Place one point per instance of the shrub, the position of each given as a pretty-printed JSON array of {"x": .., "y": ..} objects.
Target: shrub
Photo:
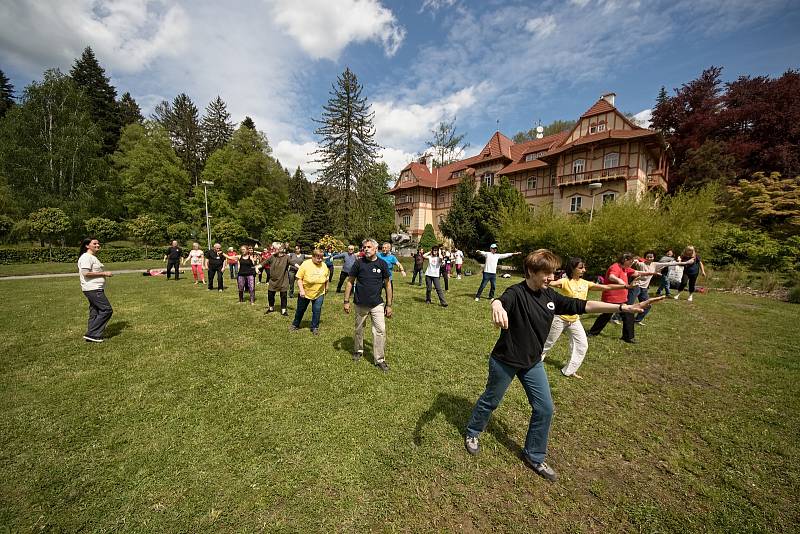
[
  {"x": 329, "y": 241},
  {"x": 769, "y": 281},
  {"x": 103, "y": 229},
  {"x": 794, "y": 294},
  {"x": 428, "y": 238}
]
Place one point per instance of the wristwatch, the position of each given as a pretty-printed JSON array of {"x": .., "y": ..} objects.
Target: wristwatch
[{"x": 620, "y": 307}]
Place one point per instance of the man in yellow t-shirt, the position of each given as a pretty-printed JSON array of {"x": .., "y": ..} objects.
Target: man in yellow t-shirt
[{"x": 312, "y": 284}]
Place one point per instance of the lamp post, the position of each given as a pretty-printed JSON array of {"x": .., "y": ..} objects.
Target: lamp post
[
  {"x": 594, "y": 186},
  {"x": 207, "y": 183}
]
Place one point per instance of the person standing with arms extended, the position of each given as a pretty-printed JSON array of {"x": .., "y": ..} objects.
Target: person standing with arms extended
[
  {"x": 278, "y": 269},
  {"x": 524, "y": 313},
  {"x": 195, "y": 259},
  {"x": 93, "y": 283},
  {"x": 432, "y": 276},
  {"x": 173, "y": 259},
  {"x": 490, "y": 269},
  {"x": 419, "y": 263},
  {"x": 215, "y": 265},
  {"x": 370, "y": 275},
  {"x": 312, "y": 284},
  {"x": 348, "y": 259},
  {"x": 329, "y": 256},
  {"x": 296, "y": 259},
  {"x": 690, "y": 272},
  {"x": 246, "y": 277},
  {"x": 459, "y": 257}
]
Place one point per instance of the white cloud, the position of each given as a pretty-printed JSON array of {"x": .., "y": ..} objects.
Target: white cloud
[
  {"x": 643, "y": 118},
  {"x": 293, "y": 155},
  {"x": 323, "y": 28},
  {"x": 541, "y": 26},
  {"x": 580, "y": 3},
  {"x": 128, "y": 34},
  {"x": 396, "y": 159},
  {"x": 436, "y": 5}
]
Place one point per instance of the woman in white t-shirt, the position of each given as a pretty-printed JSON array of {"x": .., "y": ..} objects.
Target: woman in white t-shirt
[
  {"x": 195, "y": 258},
  {"x": 432, "y": 276},
  {"x": 93, "y": 281}
]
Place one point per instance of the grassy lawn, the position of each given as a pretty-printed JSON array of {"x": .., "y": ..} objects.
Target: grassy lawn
[
  {"x": 63, "y": 268},
  {"x": 202, "y": 414}
]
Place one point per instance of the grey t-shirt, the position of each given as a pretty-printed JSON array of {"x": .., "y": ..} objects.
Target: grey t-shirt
[
  {"x": 295, "y": 261},
  {"x": 89, "y": 263}
]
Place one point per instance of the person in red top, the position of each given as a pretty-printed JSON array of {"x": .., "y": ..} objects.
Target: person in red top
[
  {"x": 266, "y": 254},
  {"x": 619, "y": 273}
]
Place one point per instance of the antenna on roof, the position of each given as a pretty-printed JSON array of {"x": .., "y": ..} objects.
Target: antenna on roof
[{"x": 498, "y": 124}]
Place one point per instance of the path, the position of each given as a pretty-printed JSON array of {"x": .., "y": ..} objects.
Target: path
[{"x": 62, "y": 275}]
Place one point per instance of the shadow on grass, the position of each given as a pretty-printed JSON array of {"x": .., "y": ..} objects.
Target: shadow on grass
[
  {"x": 554, "y": 363},
  {"x": 348, "y": 344},
  {"x": 457, "y": 411},
  {"x": 114, "y": 329}
]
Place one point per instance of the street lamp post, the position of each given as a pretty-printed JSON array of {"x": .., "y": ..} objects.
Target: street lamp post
[
  {"x": 207, "y": 183},
  {"x": 594, "y": 186}
]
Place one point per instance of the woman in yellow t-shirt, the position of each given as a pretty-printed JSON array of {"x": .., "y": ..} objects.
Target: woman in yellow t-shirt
[
  {"x": 312, "y": 284},
  {"x": 573, "y": 285}
]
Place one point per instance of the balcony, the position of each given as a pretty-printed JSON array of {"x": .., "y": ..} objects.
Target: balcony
[
  {"x": 398, "y": 206},
  {"x": 600, "y": 175},
  {"x": 656, "y": 181}
]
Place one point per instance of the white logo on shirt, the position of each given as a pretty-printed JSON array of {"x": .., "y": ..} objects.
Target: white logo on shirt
[
  {"x": 376, "y": 270},
  {"x": 551, "y": 306}
]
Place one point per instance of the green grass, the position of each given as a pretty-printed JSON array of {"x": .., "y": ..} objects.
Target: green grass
[
  {"x": 202, "y": 414},
  {"x": 64, "y": 268}
]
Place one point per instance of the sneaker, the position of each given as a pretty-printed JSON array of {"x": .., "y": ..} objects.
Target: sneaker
[
  {"x": 443, "y": 304},
  {"x": 472, "y": 445},
  {"x": 284, "y": 313},
  {"x": 383, "y": 366},
  {"x": 269, "y": 310},
  {"x": 477, "y": 299},
  {"x": 293, "y": 328},
  {"x": 94, "y": 339},
  {"x": 630, "y": 341},
  {"x": 541, "y": 469},
  {"x": 616, "y": 321},
  {"x": 690, "y": 298},
  {"x": 677, "y": 296},
  {"x": 220, "y": 291},
  {"x": 315, "y": 331},
  {"x": 427, "y": 302},
  {"x": 640, "y": 323},
  {"x": 357, "y": 355}
]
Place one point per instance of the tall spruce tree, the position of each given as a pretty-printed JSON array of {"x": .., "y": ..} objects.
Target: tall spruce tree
[
  {"x": 248, "y": 123},
  {"x": 6, "y": 94},
  {"x": 317, "y": 222},
  {"x": 129, "y": 110},
  {"x": 216, "y": 127},
  {"x": 91, "y": 78},
  {"x": 181, "y": 120},
  {"x": 347, "y": 147},
  {"x": 301, "y": 195}
]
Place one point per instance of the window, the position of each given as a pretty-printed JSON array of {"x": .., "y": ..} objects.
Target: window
[
  {"x": 592, "y": 128},
  {"x": 406, "y": 220},
  {"x": 406, "y": 176},
  {"x": 532, "y": 182},
  {"x": 535, "y": 155},
  {"x": 578, "y": 166},
  {"x": 611, "y": 160},
  {"x": 601, "y": 127},
  {"x": 442, "y": 197},
  {"x": 609, "y": 197},
  {"x": 575, "y": 204},
  {"x": 458, "y": 174},
  {"x": 407, "y": 198},
  {"x": 488, "y": 178}
]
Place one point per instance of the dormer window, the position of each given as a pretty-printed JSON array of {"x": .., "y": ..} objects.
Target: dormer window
[
  {"x": 530, "y": 157},
  {"x": 601, "y": 127},
  {"x": 592, "y": 129},
  {"x": 535, "y": 155}
]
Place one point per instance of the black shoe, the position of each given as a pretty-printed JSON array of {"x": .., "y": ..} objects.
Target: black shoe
[
  {"x": 631, "y": 341},
  {"x": 590, "y": 334},
  {"x": 541, "y": 469},
  {"x": 383, "y": 366},
  {"x": 443, "y": 305}
]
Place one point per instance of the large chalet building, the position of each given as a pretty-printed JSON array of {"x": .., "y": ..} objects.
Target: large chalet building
[{"x": 604, "y": 149}]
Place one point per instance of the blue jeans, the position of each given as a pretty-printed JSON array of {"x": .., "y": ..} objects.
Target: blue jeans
[
  {"x": 232, "y": 268},
  {"x": 641, "y": 294},
  {"x": 316, "y": 310},
  {"x": 487, "y": 277},
  {"x": 537, "y": 388},
  {"x": 663, "y": 285}
]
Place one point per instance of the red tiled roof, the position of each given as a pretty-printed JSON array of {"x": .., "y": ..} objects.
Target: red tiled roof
[
  {"x": 601, "y": 106},
  {"x": 498, "y": 146},
  {"x": 608, "y": 134},
  {"x": 522, "y": 166}
]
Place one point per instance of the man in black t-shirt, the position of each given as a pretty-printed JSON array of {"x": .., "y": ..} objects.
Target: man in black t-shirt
[
  {"x": 215, "y": 266},
  {"x": 173, "y": 259},
  {"x": 370, "y": 275},
  {"x": 525, "y": 312}
]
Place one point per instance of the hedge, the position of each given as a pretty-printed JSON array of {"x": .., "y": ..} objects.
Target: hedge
[{"x": 13, "y": 255}]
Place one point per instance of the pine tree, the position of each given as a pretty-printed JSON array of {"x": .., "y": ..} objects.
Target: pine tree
[
  {"x": 347, "y": 148},
  {"x": 6, "y": 94},
  {"x": 447, "y": 145},
  {"x": 301, "y": 196},
  {"x": 162, "y": 114},
  {"x": 181, "y": 120},
  {"x": 248, "y": 123},
  {"x": 129, "y": 110},
  {"x": 428, "y": 238},
  {"x": 91, "y": 78},
  {"x": 317, "y": 222},
  {"x": 216, "y": 127}
]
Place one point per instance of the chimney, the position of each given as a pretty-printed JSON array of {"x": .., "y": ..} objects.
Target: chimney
[
  {"x": 427, "y": 160},
  {"x": 609, "y": 97}
]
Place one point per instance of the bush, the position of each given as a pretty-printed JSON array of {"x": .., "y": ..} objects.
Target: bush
[
  {"x": 754, "y": 248},
  {"x": 794, "y": 294},
  {"x": 15, "y": 255},
  {"x": 103, "y": 229},
  {"x": 428, "y": 238}
]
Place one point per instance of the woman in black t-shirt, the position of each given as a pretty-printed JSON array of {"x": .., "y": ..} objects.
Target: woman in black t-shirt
[{"x": 247, "y": 275}]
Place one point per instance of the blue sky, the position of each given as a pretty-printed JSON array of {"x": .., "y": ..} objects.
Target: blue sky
[{"x": 420, "y": 61}]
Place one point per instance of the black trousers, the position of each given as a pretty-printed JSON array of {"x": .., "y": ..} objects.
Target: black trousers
[
  {"x": 414, "y": 276},
  {"x": 292, "y": 276},
  {"x": 100, "y": 312},
  {"x": 603, "y": 319},
  {"x": 170, "y": 265},
  {"x": 691, "y": 279},
  {"x": 342, "y": 278},
  {"x": 446, "y": 280},
  {"x": 215, "y": 271},
  {"x": 271, "y": 299}
]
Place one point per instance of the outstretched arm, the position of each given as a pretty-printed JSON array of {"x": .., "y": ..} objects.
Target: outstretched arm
[{"x": 594, "y": 306}]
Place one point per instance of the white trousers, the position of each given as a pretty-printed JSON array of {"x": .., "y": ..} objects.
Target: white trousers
[{"x": 578, "y": 344}]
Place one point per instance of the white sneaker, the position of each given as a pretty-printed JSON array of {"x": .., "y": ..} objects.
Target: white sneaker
[
  {"x": 477, "y": 299},
  {"x": 459, "y": 277},
  {"x": 471, "y": 444},
  {"x": 690, "y": 298},
  {"x": 676, "y": 297}
]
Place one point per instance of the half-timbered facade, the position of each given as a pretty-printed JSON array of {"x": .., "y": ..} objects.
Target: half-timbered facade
[{"x": 604, "y": 149}]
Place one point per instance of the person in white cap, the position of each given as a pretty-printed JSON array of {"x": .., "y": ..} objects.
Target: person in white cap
[{"x": 490, "y": 269}]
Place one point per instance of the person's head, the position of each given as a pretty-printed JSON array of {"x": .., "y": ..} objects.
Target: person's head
[
  {"x": 421, "y": 250},
  {"x": 669, "y": 253},
  {"x": 688, "y": 252},
  {"x": 435, "y": 250},
  {"x": 218, "y": 247},
  {"x": 370, "y": 248},
  {"x": 297, "y": 249},
  {"x": 351, "y": 249},
  {"x": 174, "y": 243},
  {"x": 386, "y": 248},
  {"x": 575, "y": 268},
  {"x": 196, "y": 246},
  {"x": 243, "y": 249},
  {"x": 316, "y": 256},
  {"x": 649, "y": 256},
  {"x": 230, "y": 249},
  {"x": 90, "y": 245},
  {"x": 539, "y": 267},
  {"x": 249, "y": 249},
  {"x": 493, "y": 247},
  {"x": 626, "y": 259}
]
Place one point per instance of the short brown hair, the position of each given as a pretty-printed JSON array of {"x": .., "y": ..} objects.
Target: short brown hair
[{"x": 541, "y": 260}]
